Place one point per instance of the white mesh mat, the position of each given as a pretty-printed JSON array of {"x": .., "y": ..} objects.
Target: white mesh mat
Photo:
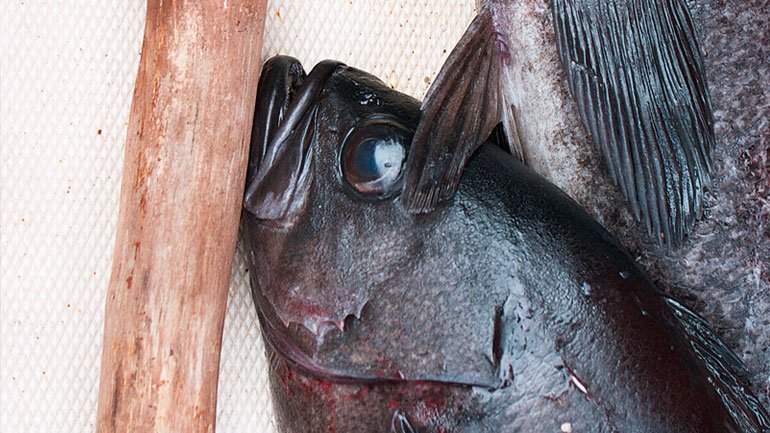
[{"x": 66, "y": 80}]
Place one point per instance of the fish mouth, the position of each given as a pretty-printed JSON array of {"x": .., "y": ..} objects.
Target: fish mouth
[
  {"x": 278, "y": 338},
  {"x": 279, "y": 169}
]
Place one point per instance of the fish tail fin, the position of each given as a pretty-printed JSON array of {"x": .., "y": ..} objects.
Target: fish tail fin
[
  {"x": 465, "y": 103},
  {"x": 726, "y": 371}
]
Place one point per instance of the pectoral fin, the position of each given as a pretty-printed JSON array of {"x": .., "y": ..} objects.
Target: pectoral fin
[
  {"x": 727, "y": 372},
  {"x": 634, "y": 68},
  {"x": 463, "y": 106}
]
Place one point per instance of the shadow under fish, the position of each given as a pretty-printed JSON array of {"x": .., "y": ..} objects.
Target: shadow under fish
[{"x": 505, "y": 308}]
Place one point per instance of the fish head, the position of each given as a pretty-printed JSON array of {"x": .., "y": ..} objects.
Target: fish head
[
  {"x": 349, "y": 284},
  {"x": 322, "y": 215}
]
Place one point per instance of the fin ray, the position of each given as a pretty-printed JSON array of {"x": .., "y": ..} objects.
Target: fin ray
[
  {"x": 460, "y": 111},
  {"x": 727, "y": 373},
  {"x": 635, "y": 70}
]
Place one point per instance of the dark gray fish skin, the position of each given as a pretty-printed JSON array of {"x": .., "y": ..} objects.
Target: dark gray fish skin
[
  {"x": 509, "y": 309},
  {"x": 723, "y": 266}
]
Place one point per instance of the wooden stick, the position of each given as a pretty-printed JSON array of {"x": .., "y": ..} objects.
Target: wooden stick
[{"x": 180, "y": 203}]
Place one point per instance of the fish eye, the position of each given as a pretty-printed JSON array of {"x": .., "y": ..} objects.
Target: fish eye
[{"x": 373, "y": 156}]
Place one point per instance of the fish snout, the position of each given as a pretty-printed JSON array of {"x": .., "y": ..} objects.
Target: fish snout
[{"x": 280, "y": 172}]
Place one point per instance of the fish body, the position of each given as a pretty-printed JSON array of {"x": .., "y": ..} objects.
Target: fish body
[
  {"x": 719, "y": 263},
  {"x": 506, "y": 309},
  {"x": 553, "y": 139}
]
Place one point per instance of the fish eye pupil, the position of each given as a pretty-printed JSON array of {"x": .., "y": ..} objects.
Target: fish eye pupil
[{"x": 373, "y": 156}]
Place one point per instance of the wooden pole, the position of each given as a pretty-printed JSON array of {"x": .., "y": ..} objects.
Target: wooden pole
[{"x": 183, "y": 176}]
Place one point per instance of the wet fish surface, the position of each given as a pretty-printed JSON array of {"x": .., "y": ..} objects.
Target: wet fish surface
[
  {"x": 507, "y": 308},
  {"x": 723, "y": 269},
  {"x": 531, "y": 48}
]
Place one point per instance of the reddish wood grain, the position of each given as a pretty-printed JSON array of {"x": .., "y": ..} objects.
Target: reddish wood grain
[{"x": 184, "y": 170}]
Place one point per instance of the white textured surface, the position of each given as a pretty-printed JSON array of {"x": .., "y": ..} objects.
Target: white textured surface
[{"x": 66, "y": 77}]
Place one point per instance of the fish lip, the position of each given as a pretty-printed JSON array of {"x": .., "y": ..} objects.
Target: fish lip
[
  {"x": 287, "y": 103},
  {"x": 303, "y": 97},
  {"x": 280, "y": 78}
]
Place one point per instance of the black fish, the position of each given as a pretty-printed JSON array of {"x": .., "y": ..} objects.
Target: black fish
[
  {"x": 635, "y": 71},
  {"x": 506, "y": 309}
]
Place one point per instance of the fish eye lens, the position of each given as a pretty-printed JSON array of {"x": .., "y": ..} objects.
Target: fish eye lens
[{"x": 373, "y": 156}]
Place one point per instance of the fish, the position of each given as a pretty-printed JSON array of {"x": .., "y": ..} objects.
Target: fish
[
  {"x": 630, "y": 71},
  {"x": 719, "y": 256},
  {"x": 507, "y": 308}
]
